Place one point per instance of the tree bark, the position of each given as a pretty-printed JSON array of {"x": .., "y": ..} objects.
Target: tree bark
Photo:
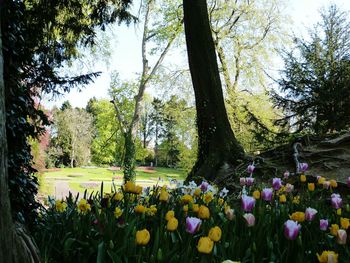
[
  {"x": 218, "y": 150},
  {"x": 15, "y": 244}
]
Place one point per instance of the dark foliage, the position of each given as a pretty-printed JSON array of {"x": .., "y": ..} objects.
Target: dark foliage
[
  {"x": 315, "y": 87},
  {"x": 38, "y": 38}
]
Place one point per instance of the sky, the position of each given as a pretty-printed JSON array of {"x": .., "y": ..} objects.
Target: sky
[{"x": 126, "y": 48}]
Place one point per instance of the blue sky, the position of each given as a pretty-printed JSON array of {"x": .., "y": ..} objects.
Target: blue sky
[{"x": 126, "y": 59}]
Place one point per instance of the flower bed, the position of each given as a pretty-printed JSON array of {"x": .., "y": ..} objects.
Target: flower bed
[{"x": 270, "y": 222}]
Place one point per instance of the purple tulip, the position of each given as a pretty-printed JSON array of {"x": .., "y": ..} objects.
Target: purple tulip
[
  {"x": 348, "y": 181},
  {"x": 250, "y": 168},
  {"x": 193, "y": 224},
  {"x": 249, "y": 181},
  {"x": 286, "y": 175},
  {"x": 266, "y": 194},
  {"x": 324, "y": 224},
  {"x": 242, "y": 181},
  {"x": 341, "y": 236},
  {"x": 248, "y": 203},
  {"x": 276, "y": 183},
  {"x": 310, "y": 213},
  {"x": 289, "y": 188},
  {"x": 303, "y": 167},
  {"x": 204, "y": 186},
  {"x": 291, "y": 229},
  {"x": 250, "y": 218},
  {"x": 336, "y": 201}
]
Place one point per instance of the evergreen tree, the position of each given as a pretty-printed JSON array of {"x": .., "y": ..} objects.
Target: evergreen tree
[{"x": 315, "y": 86}]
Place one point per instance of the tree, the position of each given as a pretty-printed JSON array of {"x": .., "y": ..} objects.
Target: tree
[
  {"x": 218, "y": 149},
  {"x": 315, "y": 93},
  {"x": 157, "y": 121},
  {"x": 39, "y": 37},
  {"x": 166, "y": 28},
  {"x": 246, "y": 34},
  {"x": 73, "y": 128}
]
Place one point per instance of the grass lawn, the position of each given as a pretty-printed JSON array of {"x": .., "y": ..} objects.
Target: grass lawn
[{"x": 60, "y": 182}]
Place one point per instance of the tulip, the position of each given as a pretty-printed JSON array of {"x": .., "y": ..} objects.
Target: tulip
[
  {"x": 276, "y": 183},
  {"x": 326, "y": 184},
  {"x": 303, "y": 167},
  {"x": 286, "y": 175},
  {"x": 311, "y": 187},
  {"x": 344, "y": 223},
  {"x": 250, "y": 218},
  {"x": 203, "y": 212},
  {"x": 164, "y": 196},
  {"x": 334, "y": 229},
  {"x": 348, "y": 181},
  {"x": 291, "y": 229},
  {"x": 205, "y": 245},
  {"x": 289, "y": 188},
  {"x": 204, "y": 186},
  {"x": 341, "y": 237},
  {"x": 310, "y": 213},
  {"x": 142, "y": 237},
  {"x": 242, "y": 181},
  {"x": 333, "y": 183},
  {"x": 323, "y": 224},
  {"x": 250, "y": 168},
  {"x": 172, "y": 224},
  {"x": 266, "y": 194},
  {"x": 298, "y": 216},
  {"x": 336, "y": 201},
  {"x": 249, "y": 181},
  {"x": 256, "y": 194},
  {"x": 193, "y": 224},
  {"x": 248, "y": 203},
  {"x": 215, "y": 233},
  {"x": 327, "y": 257},
  {"x": 229, "y": 213},
  {"x": 283, "y": 199},
  {"x": 302, "y": 178}
]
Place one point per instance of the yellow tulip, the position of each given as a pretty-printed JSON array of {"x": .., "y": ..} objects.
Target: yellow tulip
[
  {"x": 203, "y": 212},
  {"x": 140, "y": 209},
  {"x": 256, "y": 194},
  {"x": 334, "y": 229},
  {"x": 60, "y": 206},
  {"x": 195, "y": 208},
  {"x": 333, "y": 183},
  {"x": 172, "y": 224},
  {"x": 197, "y": 192},
  {"x": 327, "y": 256},
  {"x": 170, "y": 214},
  {"x": 215, "y": 233},
  {"x": 344, "y": 223},
  {"x": 298, "y": 216},
  {"x": 142, "y": 237},
  {"x": 83, "y": 206},
  {"x": 205, "y": 245},
  {"x": 118, "y": 196},
  {"x": 164, "y": 196},
  {"x": 187, "y": 199},
  {"x": 311, "y": 187},
  {"x": 302, "y": 178},
  {"x": 283, "y": 199}
]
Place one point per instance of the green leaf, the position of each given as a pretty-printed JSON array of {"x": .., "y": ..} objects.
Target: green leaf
[{"x": 100, "y": 253}]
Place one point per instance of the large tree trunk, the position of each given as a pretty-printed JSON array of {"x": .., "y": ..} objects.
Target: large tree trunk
[
  {"x": 16, "y": 246},
  {"x": 129, "y": 157},
  {"x": 218, "y": 150}
]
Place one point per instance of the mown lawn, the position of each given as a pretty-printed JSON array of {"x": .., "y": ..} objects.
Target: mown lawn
[{"x": 78, "y": 179}]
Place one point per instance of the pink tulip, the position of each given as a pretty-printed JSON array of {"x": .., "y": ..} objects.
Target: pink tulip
[
  {"x": 250, "y": 218},
  {"x": 242, "y": 181},
  {"x": 193, "y": 224},
  {"x": 326, "y": 184},
  {"x": 249, "y": 181},
  {"x": 341, "y": 236},
  {"x": 310, "y": 213},
  {"x": 204, "y": 186},
  {"x": 303, "y": 167},
  {"x": 248, "y": 203},
  {"x": 336, "y": 201},
  {"x": 250, "y": 168},
  {"x": 276, "y": 183},
  {"x": 286, "y": 175},
  {"x": 291, "y": 229},
  {"x": 324, "y": 224},
  {"x": 289, "y": 188},
  {"x": 266, "y": 194}
]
